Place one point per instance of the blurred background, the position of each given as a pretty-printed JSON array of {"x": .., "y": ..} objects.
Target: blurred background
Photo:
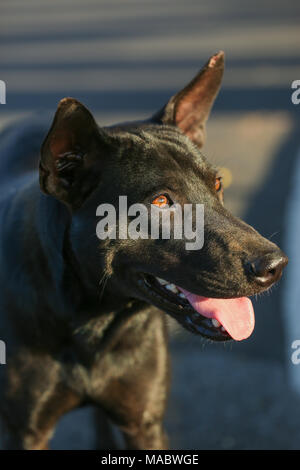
[{"x": 124, "y": 59}]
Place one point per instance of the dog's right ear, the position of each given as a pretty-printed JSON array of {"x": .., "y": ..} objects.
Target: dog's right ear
[
  {"x": 189, "y": 109},
  {"x": 72, "y": 154}
]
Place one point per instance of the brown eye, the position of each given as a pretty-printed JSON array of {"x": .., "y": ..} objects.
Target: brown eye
[
  {"x": 161, "y": 201},
  {"x": 218, "y": 184}
]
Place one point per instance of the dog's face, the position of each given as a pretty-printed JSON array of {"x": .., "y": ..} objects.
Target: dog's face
[{"x": 159, "y": 164}]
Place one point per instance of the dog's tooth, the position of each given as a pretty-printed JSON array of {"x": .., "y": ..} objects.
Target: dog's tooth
[
  {"x": 222, "y": 328},
  {"x": 172, "y": 288},
  {"x": 162, "y": 281},
  {"x": 215, "y": 322},
  {"x": 182, "y": 295}
]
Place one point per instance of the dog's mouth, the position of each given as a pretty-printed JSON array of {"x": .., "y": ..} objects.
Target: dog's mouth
[{"x": 213, "y": 318}]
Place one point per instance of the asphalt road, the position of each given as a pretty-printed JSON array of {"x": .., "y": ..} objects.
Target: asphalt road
[{"x": 123, "y": 59}]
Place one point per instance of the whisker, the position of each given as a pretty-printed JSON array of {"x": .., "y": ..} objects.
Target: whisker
[
  {"x": 273, "y": 234},
  {"x": 102, "y": 284}
]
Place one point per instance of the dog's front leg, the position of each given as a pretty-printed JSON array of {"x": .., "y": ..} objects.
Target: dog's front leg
[
  {"x": 33, "y": 398},
  {"x": 136, "y": 394},
  {"x": 138, "y": 409},
  {"x": 148, "y": 435}
]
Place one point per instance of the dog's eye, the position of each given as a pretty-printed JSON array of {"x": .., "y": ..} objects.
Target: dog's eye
[
  {"x": 218, "y": 184},
  {"x": 162, "y": 201}
]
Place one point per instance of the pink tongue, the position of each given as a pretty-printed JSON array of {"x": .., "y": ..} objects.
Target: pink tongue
[{"x": 235, "y": 315}]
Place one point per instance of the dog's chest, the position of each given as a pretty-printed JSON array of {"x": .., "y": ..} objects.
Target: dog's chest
[{"x": 102, "y": 352}]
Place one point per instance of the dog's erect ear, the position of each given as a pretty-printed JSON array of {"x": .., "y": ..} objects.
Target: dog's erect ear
[
  {"x": 190, "y": 108},
  {"x": 72, "y": 154}
]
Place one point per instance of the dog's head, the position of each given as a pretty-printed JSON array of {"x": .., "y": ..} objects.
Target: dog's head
[{"x": 158, "y": 163}]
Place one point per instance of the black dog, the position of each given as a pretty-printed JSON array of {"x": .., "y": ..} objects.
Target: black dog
[{"x": 81, "y": 318}]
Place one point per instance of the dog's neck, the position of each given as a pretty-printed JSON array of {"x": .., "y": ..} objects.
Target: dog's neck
[{"x": 63, "y": 250}]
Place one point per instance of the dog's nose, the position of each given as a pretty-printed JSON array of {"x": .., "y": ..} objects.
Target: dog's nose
[{"x": 267, "y": 269}]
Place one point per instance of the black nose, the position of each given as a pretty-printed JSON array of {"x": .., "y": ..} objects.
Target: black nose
[{"x": 267, "y": 269}]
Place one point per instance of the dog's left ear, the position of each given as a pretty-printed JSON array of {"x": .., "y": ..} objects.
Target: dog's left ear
[
  {"x": 73, "y": 154},
  {"x": 190, "y": 108}
]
